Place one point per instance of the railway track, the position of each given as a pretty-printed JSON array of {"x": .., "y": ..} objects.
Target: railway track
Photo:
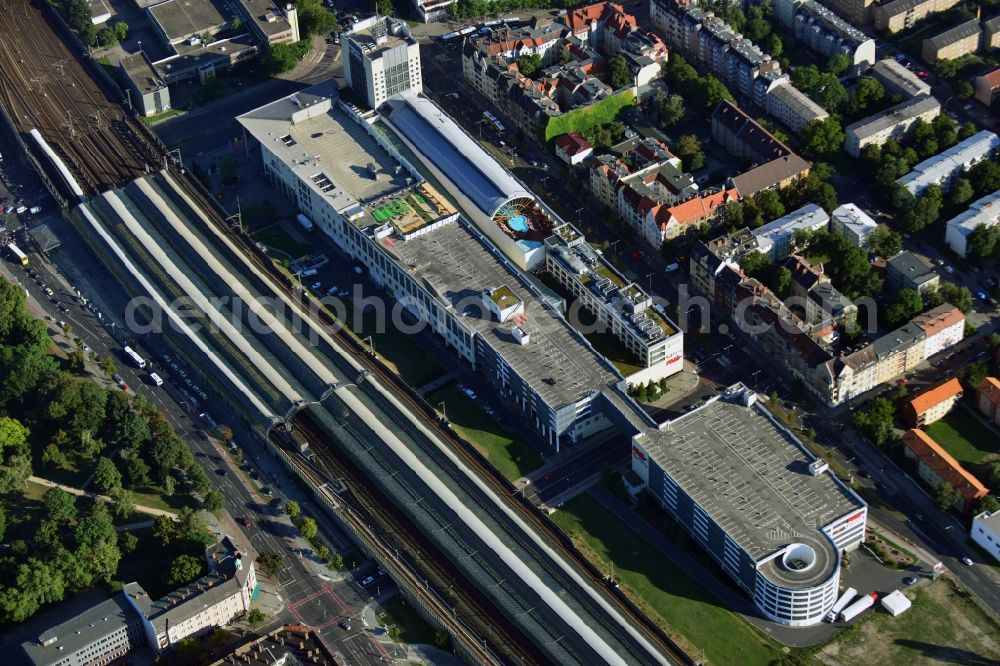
[
  {"x": 442, "y": 586},
  {"x": 597, "y": 579},
  {"x": 44, "y": 85}
]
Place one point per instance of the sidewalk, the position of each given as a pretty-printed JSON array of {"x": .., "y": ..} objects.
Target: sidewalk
[{"x": 83, "y": 493}]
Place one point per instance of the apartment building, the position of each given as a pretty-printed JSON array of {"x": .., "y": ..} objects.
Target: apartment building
[
  {"x": 986, "y": 532},
  {"x": 898, "y": 80},
  {"x": 952, "y": 43},
  {"x": 774, "y": 163},
  {"x": 991, "y": 34},
  {"x": 988, "y": 399},
  {"x": 852, "y": 223},
  {"x": 898, "y": 15},
  {"x": 792, "y": 107},
  {"x": 942, "y": 169},
  {"x": 908, "y": 271},
  {"x": 982, "y": 212},
  {"x": 383, "y": 59},
  {"x": 572, "y": 148},
  {"x": 621, "y": 307},
  {"x": 936, "y": 466},
  {"x": 813, "y": 296},
  {"x": 820, "y": 29},
  {"x": 893, "y": 123},
  {"x": 775, "y": 238},
  {"x": 933, "y": 404},
  {"x": 211, "y": 601},
  {"x": 858, "y": 12},
  {"x": 988, "y": 88}
]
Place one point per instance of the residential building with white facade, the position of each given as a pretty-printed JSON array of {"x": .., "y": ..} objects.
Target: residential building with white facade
[
  {"x": 792, "y": 107},
  {"x": 820, "y": 29},
  {"x": 381, "y": 59},
  {"x": 893, "y": 123},
  {"x": 986, "y": 532},
  {"x": 982, "y": 212},
  {"x": 942, "y": 169},
  {"x": 775, "y": 238},
  {"x": 898, "y": 80},
  {"x": 621, "y": 306},
  {"x": 852, "y": 223},
  {"x": 211, "y": 601},
  {"x": 786, "y": 553}
]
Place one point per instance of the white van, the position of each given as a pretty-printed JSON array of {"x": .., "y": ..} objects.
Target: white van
[
  {"x": 156, "y": 379},
  {"x": 35, "y": 210},
  {"x": 309, "y": 272}
]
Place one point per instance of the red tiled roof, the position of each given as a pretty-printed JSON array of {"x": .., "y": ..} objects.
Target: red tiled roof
[
  {"x": 922, "y": 402},
  {"x": 937, "y": 319},
  {"x": 699, "y": 208},
  {"x": 572, "y": 143},
  {"x": 992, "y": 78},
  {"x": 939, "y": 460}
]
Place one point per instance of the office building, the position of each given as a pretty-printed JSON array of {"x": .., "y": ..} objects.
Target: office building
[
  {"x": 853, "y": 224},
  {"x": 212, "y": 601},
  {"x": 952, "y": 43},
  {"x": 792, "y": 107},
  {"x": 898, "y": 80},
  {"x": 986, "y": 532},
  {"x": 988, "y": 399},
  {"x": 899, "y": 15},
  {"x": 382, "y": 59},
  {"x": 775, "y": 238},
  {"x": 147, "y": 92},
  {"x": 908, "y": 271},
  {"x": 933, "y": 404},
  {"x": 988, "y": 87},
  {"x": 768, "y": 512},
  {"x": 936, "y": 466},
  {"x": 943, "y": 168},
  {"x": 271, "y": 21},
  {"x": 983, "y": 212},
  {"x": 106, "y": 632},
  {"x": 893, "y": 123},
  {"x": 621, "y": 306}
]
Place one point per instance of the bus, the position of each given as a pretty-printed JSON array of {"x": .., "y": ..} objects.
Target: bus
[
  {"x": 20, "y": 256},
  {"x": 139, "y": 361},
  {"x": 494, "y": 121}
]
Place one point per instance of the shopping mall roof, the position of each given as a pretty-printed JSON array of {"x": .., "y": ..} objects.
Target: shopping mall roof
[{"x": 456, "y": 154}]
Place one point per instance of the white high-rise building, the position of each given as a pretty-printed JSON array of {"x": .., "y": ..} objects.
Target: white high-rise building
[{"x": 383, "y": 59}]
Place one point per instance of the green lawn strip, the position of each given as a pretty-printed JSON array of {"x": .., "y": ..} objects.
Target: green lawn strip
[
  {"x": 958, "y": 431},
  {"x": 165, "y": 503},
  {"x": 413, "y": 628},
  {"x": 414, "y": 365},
  {"x": 513, "y": 456},
  {"x": 276, "y": 237},
  {"x": 159, "y": 117},
  {"x": 683, "y": 607}
]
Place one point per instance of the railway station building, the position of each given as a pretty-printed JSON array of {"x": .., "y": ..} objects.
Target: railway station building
[{"x": 766, "y": 510}]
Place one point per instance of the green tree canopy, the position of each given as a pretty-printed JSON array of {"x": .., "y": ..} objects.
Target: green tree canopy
[
  {"x": 618, "y": 76},
  {"x": 945, "y": 496},
  {"x": 885, "y": 242},
  {"x": 308, "y": 528},
  {"x": 875, "y": 422},
  {"x": 213, "y": 501},
  {"x": 838, "y": 64},
  {"x": 59, "y": 505},
  {"x": 183, "y": 570},
  {"x": 907, "y": 305},
  {"x": 107, "y": 478},
  {"x": 823, "y": 137},
  {"x": 688, "y": 148}
]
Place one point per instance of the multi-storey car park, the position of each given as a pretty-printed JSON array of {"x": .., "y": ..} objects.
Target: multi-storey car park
[
  {"x": 448, "y": 274},
  {"x": 745, "y": 488},
  {"x": 159, "y": 242}
]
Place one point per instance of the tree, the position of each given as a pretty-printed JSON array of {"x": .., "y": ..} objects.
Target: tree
[
  {"x": 975, "y": 373},
  {"x": 669, "y": 109},
  {"x": 823, "y": 137},
  {"x": 128, "y": 542},
  {"x": 885, "y": 242},
  {"x": 830, "y": 93},
  {"x": 838, "y": 64},
  {"x": 314, "y": 19},
  {"x": 769, "y": 202},
  {"x": 782, "y": 282},
  {"x": 732, "y": 215},
  {"x": 164, "y": 530},
  {"x": 961, "y": 191},
  {"x": 967, "y": 130},
  {"x": 714, "y": 92},
  {"x": 925, "y": 211},
  {"x": 924, "y": 139},
  {"x": 984, "y": 241},
  {"x": 868, "y": 91},
  {"x": 773, "y": 45},
  {"x": 308, "y": 528},
  {"x": 107, "y": 478},
  {"x": 945, "y": 130},
  {"x": 14, "y": 474},
  {"x": 269, "y": 561},
  {"x": 806, "y": 78},
  {"x": 293, "y": 509},
  {"x": 949, "y": 292},
  {"x": 756, "y": 263},
  {"x": 985, "y": 177},
  {"x": 59, "y": 505},
  {"x": 988, "y": 503},
  {"x": 618, "y": 76},
  {"x": 255, "y": 617},
  {"x": 528, "y": 64},
  {"x": 964, "y": 89},
  {"x": 121, "y": 30},
  {"x": 385, "y": 7},
  {"x": 908, "y": 304},
  {"x": 875, "y": 423},
  {"x": 283, "y": 57},
  {"x": 13, "y": 435},
  {"x": 945, "y": 496},
  {"x": 688, "y": 148},
  {"x": 213, "y": 501},
  {"x": 191, "y": 526},
  {"x": 183, "y": 570},
  {"x": 124, "y": 502}
]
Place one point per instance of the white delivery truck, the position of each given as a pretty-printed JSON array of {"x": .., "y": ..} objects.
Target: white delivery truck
[
  {"x": 859, "y": 607},
  {"x": 841, "y": 603}
]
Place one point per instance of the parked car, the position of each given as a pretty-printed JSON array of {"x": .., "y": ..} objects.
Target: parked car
[
  {"x": 244, "y": 521},
  {"x": 967, "y": 561},
  {"x": 909, "y": 580},
  {"x": 367, "y": 580}
]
